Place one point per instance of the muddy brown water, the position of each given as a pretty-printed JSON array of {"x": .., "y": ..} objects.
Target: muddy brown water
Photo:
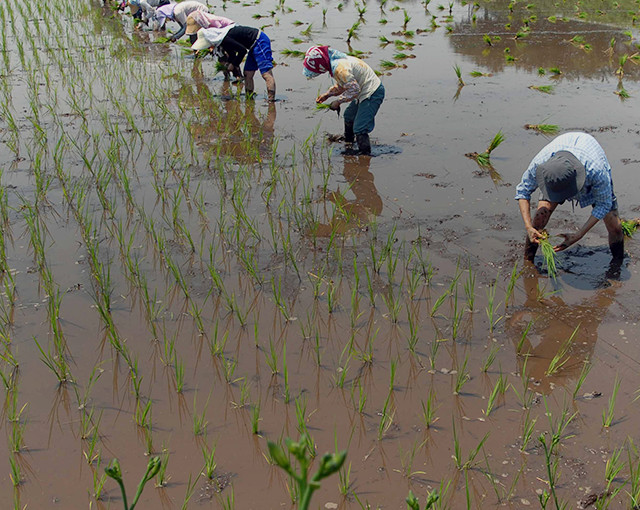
[{"x": 156, "y": 224}]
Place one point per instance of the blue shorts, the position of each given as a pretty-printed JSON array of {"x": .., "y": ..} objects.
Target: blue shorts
[
  {"x": 362, "y": 114},
  {"x": 259, "y": 57}
]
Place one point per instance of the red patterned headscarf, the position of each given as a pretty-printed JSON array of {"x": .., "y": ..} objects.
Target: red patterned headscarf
[{"x": 317, "y": 60}]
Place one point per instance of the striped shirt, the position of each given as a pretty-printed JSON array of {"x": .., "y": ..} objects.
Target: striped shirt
[{"x": 598, "y": 186}]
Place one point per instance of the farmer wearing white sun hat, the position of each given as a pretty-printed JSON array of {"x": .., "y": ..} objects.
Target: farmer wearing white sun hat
[
  {"x": 236, "y": 41},
  {"x": 573, "y": 167}
]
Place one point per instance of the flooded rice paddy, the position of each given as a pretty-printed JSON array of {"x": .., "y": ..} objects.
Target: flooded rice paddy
[{"x": 187, "y": 274}]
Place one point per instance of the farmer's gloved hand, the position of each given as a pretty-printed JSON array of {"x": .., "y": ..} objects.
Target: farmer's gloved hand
[
  {"x": 172, "y": 39},
  {"x": 569, "y": 239}
]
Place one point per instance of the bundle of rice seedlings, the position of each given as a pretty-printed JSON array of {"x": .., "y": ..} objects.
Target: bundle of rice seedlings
[
  {"x": 292, "y": 53},
  {"x": 548, "y": 254},
  {"x": 458, "y": 72},
  {"x": 387, "y": 64},
  {"x": 622, "y": 92},
  {"x": 484, "y": 158},
  {"x": 478, "y": 74},
  {"x": 547, "y": 89},
  {"x": 545, "y": 129},
  {"x": 629, "y": 227}
]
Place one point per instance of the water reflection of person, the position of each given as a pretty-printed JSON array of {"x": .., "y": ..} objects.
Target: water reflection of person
[
  {"x": 553, "y": 324},
  {"x": 227, "y": 125},
  {"x": 356, "y": 212}
]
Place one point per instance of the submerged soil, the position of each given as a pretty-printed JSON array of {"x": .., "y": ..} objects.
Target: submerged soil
[{"x": 189, "y": 274}]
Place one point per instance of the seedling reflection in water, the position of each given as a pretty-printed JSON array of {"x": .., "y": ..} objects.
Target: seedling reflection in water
[{"x": 329, "y": 464}]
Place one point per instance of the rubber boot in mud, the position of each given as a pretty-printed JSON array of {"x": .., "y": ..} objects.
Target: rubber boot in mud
[
  {"x": 364, "y": 145},
  {"x": 617, "y": 250},
  {"x": 349, "y": 137}
]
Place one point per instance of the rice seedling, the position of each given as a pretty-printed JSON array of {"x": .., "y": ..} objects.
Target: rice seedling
[
  {"x": 462, "y": 376},
  {"x": 255, "y": 419},
  {"x": 113, "y": 471},
  {"x": 484, "y": 159},
  {"x": 545, "y": 129},
  {"x": 16, "y": 471},
  {"x": 305, "y": 487},
  {"x": 458, "y": 72},
  {"x": 499, "y": 389},
  {"x": 199, "y": 420},
  {"x": 549, "y": 255},
  {"x": 528, "y": 427},
  {"x": 622, "y": 93},
  {"x": 479, "y": 74},
  {"x": 491, "y": 307},
  {"x": 491, "y": 357},
  {"x": 523, "y": 339},
  {"x": 429, "y": 410},
  {"x": 210, "y": 464},
  {"x": 561, "y": 358},
  {"x": 352, "y": 33},
  {"x": 634, "y": 473},
  {"x": 608, "y": 412},
  {"x": 586, "y": 368}
]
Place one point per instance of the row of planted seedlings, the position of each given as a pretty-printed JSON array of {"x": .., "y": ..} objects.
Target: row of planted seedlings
[
  {"x": 332, "y": 259},
  {"x": 237, "y": 232}
]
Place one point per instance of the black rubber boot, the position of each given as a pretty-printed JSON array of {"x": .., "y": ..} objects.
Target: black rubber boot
[
  {"x": 364, "y": 145},
  {"x": 617, "y": 250},
  {"x": 349, "y": 137}
]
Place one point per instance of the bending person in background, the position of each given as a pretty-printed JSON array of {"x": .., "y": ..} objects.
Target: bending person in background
[
  {"x": 237, "y": 41},
  {"x": 356, "y": 83},
  {"x": 144, "y": 10},
  {"x": 201, "y": 19},
  {"x": 573, "y": 167},
  {"x": 178, "y": 13}
]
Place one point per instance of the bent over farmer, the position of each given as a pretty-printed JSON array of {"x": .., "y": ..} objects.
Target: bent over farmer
[
  {"x": 573, "y": 167},
  {"x": 356, "y": 83},
  {"x": 178, "y": 12},
  {"x": 236, "y": 41}
]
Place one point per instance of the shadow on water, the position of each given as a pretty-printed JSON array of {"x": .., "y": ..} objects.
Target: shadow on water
[{"x": 552, "y": 323}]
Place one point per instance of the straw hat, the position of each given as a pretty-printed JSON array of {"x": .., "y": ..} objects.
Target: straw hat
[{"x": 192, "y": 26}]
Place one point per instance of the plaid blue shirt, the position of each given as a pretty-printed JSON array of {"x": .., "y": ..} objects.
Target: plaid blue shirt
[{"x": 598, "y": 187}]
